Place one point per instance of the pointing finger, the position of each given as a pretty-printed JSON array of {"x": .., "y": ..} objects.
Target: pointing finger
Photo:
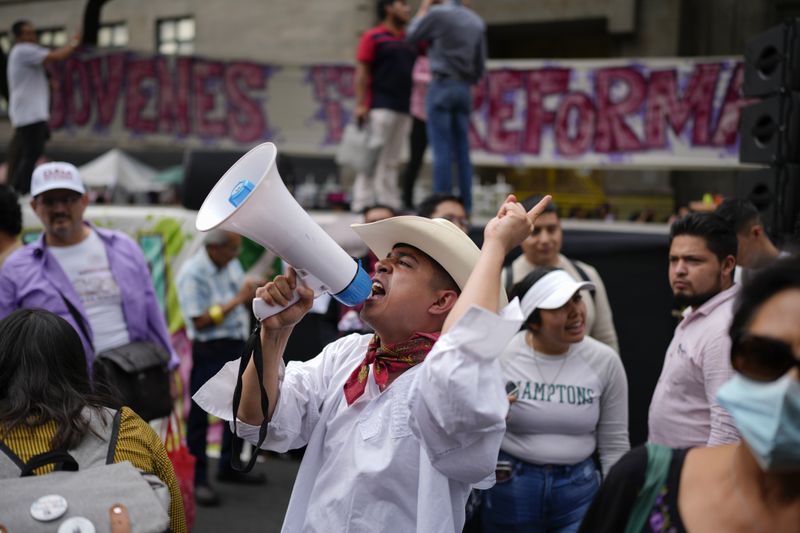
[{"x": 539, "y": 208}]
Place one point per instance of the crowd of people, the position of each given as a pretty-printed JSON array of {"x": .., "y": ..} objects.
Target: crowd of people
[{"x": 468, "y": 392}]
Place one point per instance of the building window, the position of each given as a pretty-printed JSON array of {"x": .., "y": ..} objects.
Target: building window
[
  {"x": 5, "y": 42},
  {"x": 175, "y": 36},
  {"x": 113, "y": 35},
  {"x": 54, "y": 37}
]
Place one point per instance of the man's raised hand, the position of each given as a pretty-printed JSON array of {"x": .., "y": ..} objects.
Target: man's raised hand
[{"x": 512, "y": 224}]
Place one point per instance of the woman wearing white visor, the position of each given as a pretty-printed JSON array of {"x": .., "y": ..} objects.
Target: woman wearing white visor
[{"x": 571, "y": 401}]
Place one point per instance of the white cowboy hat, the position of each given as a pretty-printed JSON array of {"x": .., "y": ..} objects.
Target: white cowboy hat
[{"x": 440, "y": 239}]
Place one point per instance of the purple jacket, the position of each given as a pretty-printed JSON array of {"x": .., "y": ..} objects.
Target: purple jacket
[{"x": 32, "y": 277}]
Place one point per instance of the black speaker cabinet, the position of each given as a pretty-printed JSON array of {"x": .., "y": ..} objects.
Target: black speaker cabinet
[
  {"x": 770, "y": 131},
  {"x": 776, "y": 194},
  {"x": 202, "y": 171},
  {"x": 772, "y": 61}
]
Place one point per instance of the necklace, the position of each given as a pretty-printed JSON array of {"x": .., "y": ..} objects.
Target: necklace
[{"x": 539, "y": 369}]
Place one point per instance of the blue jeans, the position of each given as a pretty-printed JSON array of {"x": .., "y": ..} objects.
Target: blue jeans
[
  {"x": 449, "y": 103},
  {"x": 540, "y": 497}
]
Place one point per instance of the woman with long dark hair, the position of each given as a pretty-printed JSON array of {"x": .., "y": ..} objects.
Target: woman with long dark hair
[
  {"x": 571, "y": 401},
  {"x": 47, "y": 402}
]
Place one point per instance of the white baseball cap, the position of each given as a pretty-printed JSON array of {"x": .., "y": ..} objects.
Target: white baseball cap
[
  {"x": 56, "y": 175},
  {"x": 551, "y": 291},
  {"x": 440, "y": 239}
]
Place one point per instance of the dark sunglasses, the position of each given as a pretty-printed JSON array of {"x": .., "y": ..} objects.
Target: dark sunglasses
[
  {"x": 762, "y": 358},
  {"x": 52, "y": 201}
]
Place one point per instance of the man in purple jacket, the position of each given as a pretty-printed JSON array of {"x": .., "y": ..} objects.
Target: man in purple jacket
[{"x": 101, "y": 273}]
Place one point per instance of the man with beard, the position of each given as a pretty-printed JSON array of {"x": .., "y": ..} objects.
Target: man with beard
[
  {"x": 397, "y": 429},
  {"x": 684, "y": 411}
]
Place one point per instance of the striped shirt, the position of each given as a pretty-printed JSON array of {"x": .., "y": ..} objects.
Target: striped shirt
[{"x": 137, "y": 442}]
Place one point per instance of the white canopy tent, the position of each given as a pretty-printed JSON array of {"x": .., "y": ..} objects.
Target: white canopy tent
[{"x": 117, "y": 170}]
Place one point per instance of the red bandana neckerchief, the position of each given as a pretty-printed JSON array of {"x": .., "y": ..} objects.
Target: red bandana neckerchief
[{"x": 385, "y": 359}]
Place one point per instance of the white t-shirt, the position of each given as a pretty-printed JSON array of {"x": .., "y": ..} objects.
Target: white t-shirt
[
  {"x": 29, "y": 93},
  {"x": 567, "y": 405},
  {"x": 86, "y": 266}
]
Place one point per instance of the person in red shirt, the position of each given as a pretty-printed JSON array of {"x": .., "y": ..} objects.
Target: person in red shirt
[{"x": 384, "y": 62}]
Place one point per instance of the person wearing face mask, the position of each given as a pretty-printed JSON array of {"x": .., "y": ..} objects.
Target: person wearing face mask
[
  {"x": 572, "y": 400},
  {"x": 749, "y": 486}
]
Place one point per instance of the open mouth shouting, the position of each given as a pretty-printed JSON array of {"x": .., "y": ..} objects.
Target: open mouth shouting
[{"x": 378, "y": 290}]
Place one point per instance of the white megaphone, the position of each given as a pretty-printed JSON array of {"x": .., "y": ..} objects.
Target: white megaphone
[{"x": 251, "y": 200}]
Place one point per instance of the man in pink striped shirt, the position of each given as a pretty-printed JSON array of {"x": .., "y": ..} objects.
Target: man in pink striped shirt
[{"x": 684, "y": 411}]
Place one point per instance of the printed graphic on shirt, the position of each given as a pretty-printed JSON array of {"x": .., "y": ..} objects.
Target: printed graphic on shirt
[
  {"x": 554, "y": 393},
  {"x": 87, "y": 267},
  {"x": 96, "y": 287}
]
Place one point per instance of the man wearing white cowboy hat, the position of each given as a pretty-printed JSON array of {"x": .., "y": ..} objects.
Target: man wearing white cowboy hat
[
  {"x": 95, "y": 279},
  {"x": 396, "y": 432}
]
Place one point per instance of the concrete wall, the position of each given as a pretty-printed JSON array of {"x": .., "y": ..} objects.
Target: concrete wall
[
  {"x": 274, "y": 31},
  {"x": 620, "y": 14}
]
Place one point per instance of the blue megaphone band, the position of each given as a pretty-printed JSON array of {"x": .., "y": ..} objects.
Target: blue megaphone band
[
  {"x": 240, "y": 191},
  {"x": 358, "y": 290}
]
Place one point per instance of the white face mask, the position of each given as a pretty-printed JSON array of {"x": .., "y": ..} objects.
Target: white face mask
[{"x": 767, "y": 415}]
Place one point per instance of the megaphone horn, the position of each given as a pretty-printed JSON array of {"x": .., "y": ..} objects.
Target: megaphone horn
[{"x": 250, "y": 199}]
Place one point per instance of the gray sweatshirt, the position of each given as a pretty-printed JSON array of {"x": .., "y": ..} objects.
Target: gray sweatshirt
[{"x": 567, "y": 405}]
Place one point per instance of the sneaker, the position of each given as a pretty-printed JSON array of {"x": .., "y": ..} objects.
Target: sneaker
[
  {"x": 206, "y": 496},
  {"x": 232, "y": 476}
]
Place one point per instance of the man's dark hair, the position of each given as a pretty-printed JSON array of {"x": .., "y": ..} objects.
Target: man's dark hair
[
  {"x": 379, "y": 206},
  {"x": 521, "y": 288},
  {"x": 44, "y": 377},
  {"x": 739, "y": 214},
  {"x": 427, "y": 206},
  {"x": 781, "y": 275},
  {"x": 380, "y": 8},
  {"x": 10, "y": 212},
  {"x": 719, "y": 236},
  {"x": 531, "y": 201},
  {"x": 16, "y": 28}
]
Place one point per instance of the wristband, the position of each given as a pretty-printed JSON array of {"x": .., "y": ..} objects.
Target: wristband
[{"x": 216, "y": 314}]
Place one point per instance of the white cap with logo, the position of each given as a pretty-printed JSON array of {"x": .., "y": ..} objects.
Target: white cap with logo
[{"x": 57, "y": 175}]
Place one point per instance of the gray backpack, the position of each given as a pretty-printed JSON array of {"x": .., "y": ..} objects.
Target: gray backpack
[{"x": 86, "y": 493}]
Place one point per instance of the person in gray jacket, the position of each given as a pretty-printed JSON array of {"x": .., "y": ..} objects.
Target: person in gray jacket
[{"x": 457, "y": 56}]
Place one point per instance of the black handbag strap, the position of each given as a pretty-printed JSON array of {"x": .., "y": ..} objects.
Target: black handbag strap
[
  {"x": 11, "y": 455},
  {"x": 112, "y": 441},
  {"x": 60, "y": 458},
  {"x": 582, "y": 273},
  {"x": 251, "y": 349},
  {"x": 76, "y": 316}
]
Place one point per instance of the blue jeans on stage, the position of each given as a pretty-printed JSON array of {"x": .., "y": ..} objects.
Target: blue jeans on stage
[
  {"x": 539, "y": 498},
  {"x": 449, "y": 103}
]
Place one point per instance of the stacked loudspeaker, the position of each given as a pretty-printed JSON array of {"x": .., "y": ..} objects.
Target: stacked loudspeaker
[{"x": 770, "y": 127}]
